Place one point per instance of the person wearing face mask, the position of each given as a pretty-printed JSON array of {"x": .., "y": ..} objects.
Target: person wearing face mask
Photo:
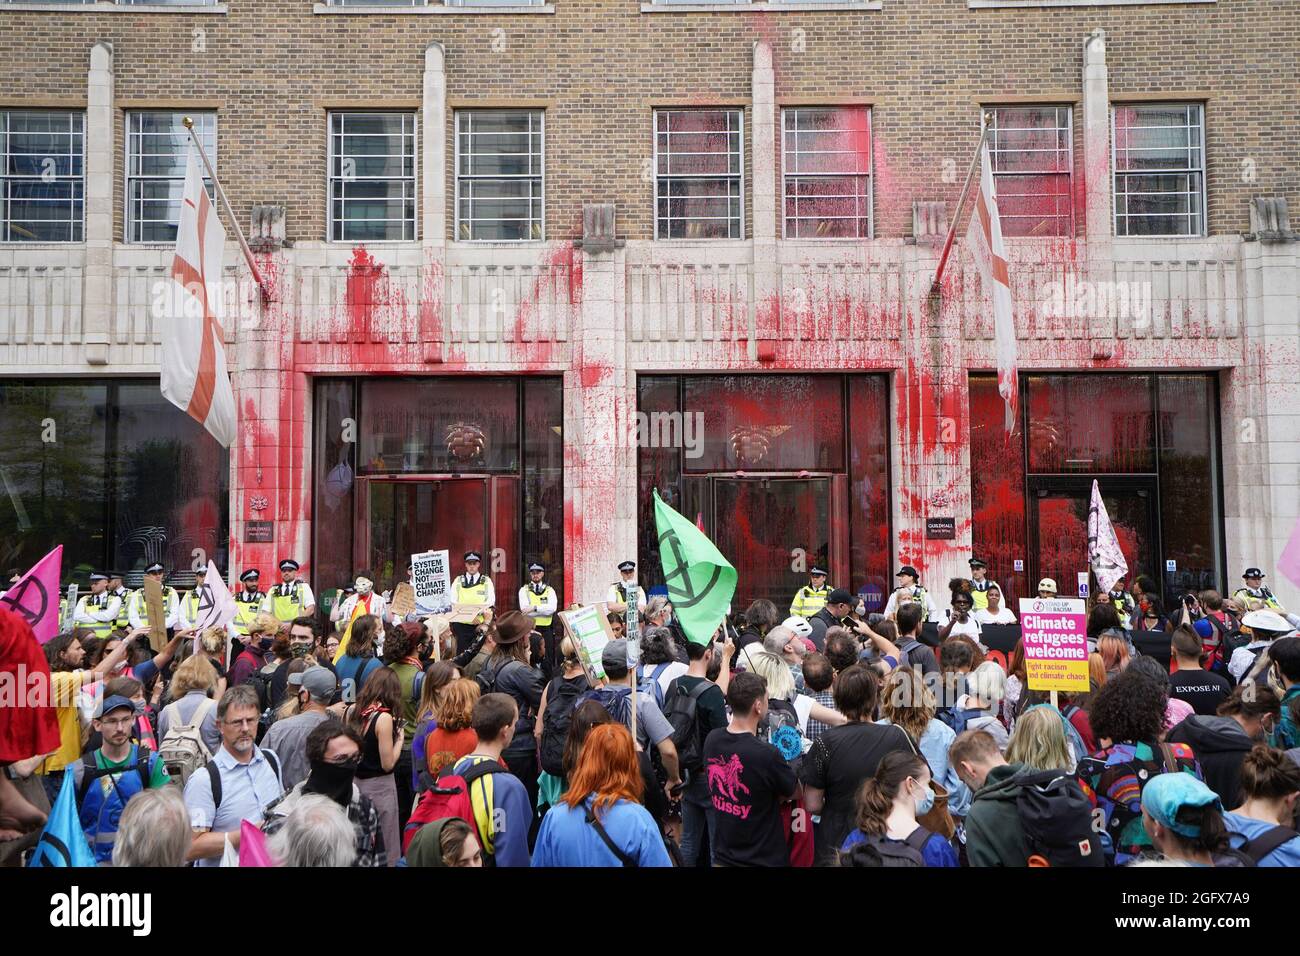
[
  {"x": 888, "y": 805},
  {"x": 254, "y": 656},
  {"x": 236, "y": 785},
  {"x": 302, "y": 646},
  {"x": 105, "y": 779},
  {"x": 314, "y": 688},
  {"x": 1221, "y": 743},
  {"x": 333, "y": 750}
]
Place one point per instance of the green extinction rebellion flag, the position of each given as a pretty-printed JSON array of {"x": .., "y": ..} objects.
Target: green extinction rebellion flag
[{"x": 700, "y": 580}]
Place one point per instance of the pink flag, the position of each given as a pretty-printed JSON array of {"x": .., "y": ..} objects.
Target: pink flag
[
  {"x": 1104, "y": 552},
  {"x": 1289, "y": 563},
  {"x": 984, "y": 238},
  {"x": 35, "y": 597},
  {"x": 217, "y": 606},
  {"x": 193, "y": 363},
  {"x": 252, "y": 846}
]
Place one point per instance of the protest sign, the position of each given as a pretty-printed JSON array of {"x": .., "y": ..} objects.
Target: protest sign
[
  {"x": 1056, "y": 643},
  {"x": 431, "y": 581},
  {"x": 70, "y": 614},
  {"x": 403, "y": 600},
  {"x": 153, "y": 602},
  {"x": 590, "y": 630}
]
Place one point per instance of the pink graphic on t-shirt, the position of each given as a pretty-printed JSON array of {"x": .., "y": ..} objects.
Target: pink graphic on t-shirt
[{"x": 724, "y": 778}]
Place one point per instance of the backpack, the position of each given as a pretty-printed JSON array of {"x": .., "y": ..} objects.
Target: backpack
[
  {"x": 91, "y": 808},
  {"x": 183, "y": 751},
  {"x": 649, "y": 684},
  {"x": 1056, "y": 817},
  {"x": 905, "y": 652},
  {"x": 617, "y": 703},
  {"x": 214, "y": 775},
  {"x": 905, "y": 853},
  {"x": 260, "y": 681},
  {"x": 561, "y": 701},
  {"x": 449, "y": 797},
  {"x": 682, "y": 711},
  {"x": 1264, "y": 844},
  {"x": 957, "y": 718},
  {"x": 356, "y": 676},
  {"x": 780, "y": 728}
]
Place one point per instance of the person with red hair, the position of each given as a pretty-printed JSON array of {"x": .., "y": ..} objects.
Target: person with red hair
[{"x": 600, "y": 821}]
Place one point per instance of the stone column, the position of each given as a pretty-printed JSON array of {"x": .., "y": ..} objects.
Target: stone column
[
  {"x": 1098, "y": 221},
  {"x": 97, "y": 302},
  {"x": 433, "y": 190},
  {"x": 766, "y": 271}
]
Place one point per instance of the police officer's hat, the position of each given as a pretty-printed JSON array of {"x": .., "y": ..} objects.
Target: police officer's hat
[
  {"x": 817, "y": 569},
  {"x": 116, "y": 576},
  {"x": 1253, "y": 573},
  {"x": 535, "y": 567},
  {"x": 976, "y": 563},
  {"x": 288, "y": 564},
  {"x": 250, "y": 575},
  {"x": 627, "y": 566},
  {"x": 473, "y": 556},
  {"x": 909, "y": 570},
  {"x": 99, "y": 576},
  {"x": 154, "y": 568}
]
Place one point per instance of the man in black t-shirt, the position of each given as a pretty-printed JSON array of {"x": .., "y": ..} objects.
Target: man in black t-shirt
[
  {"x": 1203, "y": 689},
  {"x": 710, "y": 715},
  {"x": 748, "y": 780}
]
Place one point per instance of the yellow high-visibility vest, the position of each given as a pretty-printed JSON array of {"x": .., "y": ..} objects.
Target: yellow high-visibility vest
[
  {"x": 101, "y": 628},
  {"x": 286, "y": 601},
  {"x": 537, "y": 600},
  {"x": 808, "y": 600},
  {"x": 246, "y": 608}
]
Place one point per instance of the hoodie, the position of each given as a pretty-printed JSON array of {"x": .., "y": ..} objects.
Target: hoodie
[
  {"x": 994, "y": 836},
  {"x": 1220, "y": 745}
]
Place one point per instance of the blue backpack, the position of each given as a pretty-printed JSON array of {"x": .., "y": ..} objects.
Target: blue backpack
[
  {"x": 649, "y": 683},
  {"x": 957, "y": 719},
  {"x": 617, "y": 702},
  {"x": 100, "y": 807}
]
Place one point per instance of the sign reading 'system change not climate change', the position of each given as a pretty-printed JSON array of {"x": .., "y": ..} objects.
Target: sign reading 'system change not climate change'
[{"x": 1055, "y": 633}]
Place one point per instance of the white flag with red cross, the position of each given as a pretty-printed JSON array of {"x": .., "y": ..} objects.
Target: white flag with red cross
[{"x": 194, "y": 375}]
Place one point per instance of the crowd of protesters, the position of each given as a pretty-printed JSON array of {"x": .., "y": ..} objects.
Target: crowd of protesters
[{"x": 829, "y": 737}]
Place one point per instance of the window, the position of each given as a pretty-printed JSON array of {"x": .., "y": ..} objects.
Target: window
[
  {"x": 827, "y": 173},
  {"x": 156, "y": 148},
  {"x": 422, "y": 3},
  {"x": 372, "y": 176},
  {"x": 699, "y": 174},
  {"x": 1159, "y": 169},
  {"x": 500, "y": 166},
  {"x": 1031, "y": 148},
  {"x": 42, "y": 176}
]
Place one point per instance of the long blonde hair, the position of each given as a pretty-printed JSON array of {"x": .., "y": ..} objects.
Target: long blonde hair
[
  {"x": 1038, "y": 741},
  {"x": 908, "y": 702},
  {"x": 780, "y": 682}
]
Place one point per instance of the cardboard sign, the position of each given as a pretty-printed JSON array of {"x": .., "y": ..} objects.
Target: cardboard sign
[
  {"x": 633, "y": 618},
  {"x": 1055, "y": 632},
  {"x": 469, "y": 614},
  {"x": 70, "y": 615},
  {"x": 590, "y": 630},
  {"x": 431, "y": 581},
  {"x": 403, "y": 600},
  {"x": 153, "y": 602}
]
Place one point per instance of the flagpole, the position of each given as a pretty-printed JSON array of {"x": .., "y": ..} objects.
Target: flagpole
[
  {"x": 985, "y": 118},
  {"x": 230, "y": 213}
]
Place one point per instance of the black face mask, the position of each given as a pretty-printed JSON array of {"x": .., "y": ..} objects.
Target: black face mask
[{"x": 333, "y": 780}]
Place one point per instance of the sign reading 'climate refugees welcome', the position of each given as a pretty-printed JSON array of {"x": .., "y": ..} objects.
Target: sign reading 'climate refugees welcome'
[{"x": 1055, "y": 632}]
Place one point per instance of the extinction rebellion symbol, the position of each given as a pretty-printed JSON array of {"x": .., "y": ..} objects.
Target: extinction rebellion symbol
[
  {"x": 16, "y": 598},
  {"x": 683, "y": 594}
]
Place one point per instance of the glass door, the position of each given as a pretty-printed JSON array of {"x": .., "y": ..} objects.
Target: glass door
[{"x": 1058, "y": 522}]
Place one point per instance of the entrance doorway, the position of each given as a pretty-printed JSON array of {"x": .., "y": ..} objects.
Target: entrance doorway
[
  {"x": 767, "y": 526},
  {"x": 413, "y": 513},
  {"x": 1058, "y": 523}
]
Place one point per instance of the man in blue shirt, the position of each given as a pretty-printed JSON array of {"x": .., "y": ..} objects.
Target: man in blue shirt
[
  {"x": 502, "y": 811},
  {"x": 237, "y": 783}
]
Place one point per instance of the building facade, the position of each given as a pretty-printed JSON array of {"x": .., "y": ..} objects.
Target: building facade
[{"x": 523, "y": 264}]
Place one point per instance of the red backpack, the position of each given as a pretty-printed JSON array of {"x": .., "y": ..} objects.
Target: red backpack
[{"x": 447, "y": 798}]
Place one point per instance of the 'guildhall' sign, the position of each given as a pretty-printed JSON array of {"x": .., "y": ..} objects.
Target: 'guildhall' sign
[
  {"x": 944, "y": 529},
  {"x": 259, "y": 532}
]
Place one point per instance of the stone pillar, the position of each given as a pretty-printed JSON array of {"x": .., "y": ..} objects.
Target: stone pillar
[
  {"x": 1098, "y": 221},
  {"x": 97, "y": 289},
  {"x": 433, "y": 188},
  {"x": 600, "y": 506},
  {"x": 766, "y": 274}
]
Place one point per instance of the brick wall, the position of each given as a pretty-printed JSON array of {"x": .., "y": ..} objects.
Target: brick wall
[{"x": 600, "y": 66}]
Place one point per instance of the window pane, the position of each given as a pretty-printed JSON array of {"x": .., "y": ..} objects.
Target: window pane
[
  {"x": 997, "y": 492},
  {"x": 334, "y": 468},
  {"x": 413, "y": 425},
  {"x": 1159, "y": 170},
  {"x": 1091, "y": 423},
  {"x": 1188, "y": 474},
  {"x": 499, "y": 165},
  {"x": 157, "y": 146},
  {"x": 1032, "y": 159},
  {"x": 372, "y": 176},
  {"x": 699, "y": 185},
  {"x": 543, "y": 491},
  {"x": 869, "y": 499},
  {"x": 41, "y": 176}
]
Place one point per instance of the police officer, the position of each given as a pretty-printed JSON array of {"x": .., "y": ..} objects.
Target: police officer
[
  {"x": 538, "y": 600},
  {"x": 909, "y": 589},
  {"x": 290, "y": 598},
  {"x": 248, "y": 601},
  {"x": 471, "y": 588},
  {"x": 139, "y": 612},
  {"x": 617, "y": 596},
  {"x": 123, "y": 593},
  {"x": 1256, "y": 591},
  {"x": 811, "y": 598},
  {"x": 99, "y": 609},
  {"x": 980, "y": 584},
  {"x": 1123, "y": 603}
]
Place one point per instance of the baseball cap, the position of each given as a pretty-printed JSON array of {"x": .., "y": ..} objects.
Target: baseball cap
[
  {"x": 110, "y": 704},
  {"x": 799, "y": 625},
  {"x": 1047, "y": 584},
  {"x": 320, "y": 682},
  {"x": 841, "y": 596},
  {"x": 1167, "y": 793},
  {"x": 617, "y": 655}
]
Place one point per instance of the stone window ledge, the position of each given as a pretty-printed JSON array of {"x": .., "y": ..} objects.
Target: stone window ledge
[
  {"x": 762, "y": 6},
  {"x": 1002, "y": 4},
  {"x": 102, "y": 7},
  {"x": 432, "y": 8}
]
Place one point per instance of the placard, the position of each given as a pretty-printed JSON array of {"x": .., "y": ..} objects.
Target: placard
[
  {"x": 70, "y": 614},
  {"x": 589, "y": 628},
  {"x": 1055, "y": 634},
  {"x": 431, "y": 581},
  {"x": 403, "y": 600},
  {"x": 153, "y": 602}
]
